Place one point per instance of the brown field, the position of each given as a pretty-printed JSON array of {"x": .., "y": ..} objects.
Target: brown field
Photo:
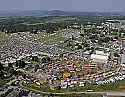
[
  {"x": 122, "y": 88},
  {"x": 116, "y": 96}
]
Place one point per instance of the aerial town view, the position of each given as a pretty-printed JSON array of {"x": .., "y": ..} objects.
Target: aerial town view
[{"x": 77, "y": 52}]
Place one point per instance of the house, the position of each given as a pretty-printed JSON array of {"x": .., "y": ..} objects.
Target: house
[
  {"x": 37, "y": 83},
  {"x": 64, "y": 85},
  {"x": 81, "y": 84}
]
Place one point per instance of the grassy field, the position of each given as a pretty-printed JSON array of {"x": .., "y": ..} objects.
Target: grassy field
[
  {"x": 6, "y": 80},
  {"x": 95, "y": 88},
  {"x": 33, "y": 23},
  {"x": 46, "y": 91},
  {"x": 3, "y": 36},
  {"x": 45, "y": 38},
  {"x": 51, "y": 38}
]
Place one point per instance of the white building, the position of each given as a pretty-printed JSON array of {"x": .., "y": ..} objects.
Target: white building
[
  {"x": 123, "y": 59},
  {"x": 99, "y": 58},
  {"x": 101, "y": 53}
]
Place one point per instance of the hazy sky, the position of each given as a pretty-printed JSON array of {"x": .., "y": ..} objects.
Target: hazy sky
[{"x": 70, "y": 5}]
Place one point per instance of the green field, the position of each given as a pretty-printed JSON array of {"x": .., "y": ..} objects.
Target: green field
[
  {"x": 45, "y": 91},
  {"x": 3, "y": 36},
  {"x": 95, "y": 88},
  {"x": 51, "y": 38},
  {"x": 6, "y": 80}
]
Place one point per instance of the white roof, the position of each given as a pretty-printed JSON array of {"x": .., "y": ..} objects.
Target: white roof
[
  {"x": 123, "y": 58},
  {"x": 100, "y": 52},
  {"x": 99, "y": 57}
]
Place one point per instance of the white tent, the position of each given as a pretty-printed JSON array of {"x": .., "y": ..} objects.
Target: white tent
[
  {"x": 123, "y": 59},
  {"x": 99, "y": 58}
]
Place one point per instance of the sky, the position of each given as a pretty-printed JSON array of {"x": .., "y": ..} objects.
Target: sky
[{"x": 65, "y": 5}]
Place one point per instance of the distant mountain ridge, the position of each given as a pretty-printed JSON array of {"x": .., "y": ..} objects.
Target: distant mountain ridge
[{"x": 57, "y": 13}]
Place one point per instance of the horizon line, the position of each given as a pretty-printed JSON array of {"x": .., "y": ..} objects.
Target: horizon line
[{"x": 19, "y": 10}]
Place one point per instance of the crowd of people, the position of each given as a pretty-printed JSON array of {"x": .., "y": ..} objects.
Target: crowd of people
[{"x": 22, "y": 44}]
